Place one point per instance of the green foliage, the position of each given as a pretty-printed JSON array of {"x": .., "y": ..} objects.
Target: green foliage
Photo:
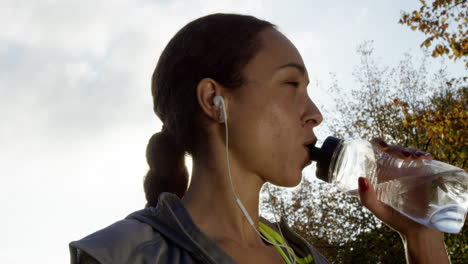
[
  {"x": 442, "y": 125},
  {"x": 457, "y": 245},
  {"x": 445, "y": 22},
  {"x": 381, "y": 245}
]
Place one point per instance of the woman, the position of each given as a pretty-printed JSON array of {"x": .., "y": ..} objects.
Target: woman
[{"x": 260, "y": 84}]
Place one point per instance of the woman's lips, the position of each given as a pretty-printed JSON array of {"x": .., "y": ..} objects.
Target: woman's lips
[
  {"x": 307, "y": 160},
  {"x": 310, "y": 142}
]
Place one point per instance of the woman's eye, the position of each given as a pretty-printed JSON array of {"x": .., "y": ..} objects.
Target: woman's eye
[{"x": 295, "y": 84}]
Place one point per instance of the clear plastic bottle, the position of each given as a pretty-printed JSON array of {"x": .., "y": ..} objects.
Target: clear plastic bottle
[{"x": 430, "y": 192}]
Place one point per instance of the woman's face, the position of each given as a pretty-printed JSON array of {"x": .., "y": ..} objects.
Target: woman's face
[{"x": 271, "y": 117}]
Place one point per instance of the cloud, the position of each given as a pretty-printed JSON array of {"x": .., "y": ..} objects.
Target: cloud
[{"x": 81, "y": 65}]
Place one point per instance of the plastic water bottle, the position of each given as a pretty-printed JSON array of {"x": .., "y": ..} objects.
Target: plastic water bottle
[{"x": 429, "y": 192}]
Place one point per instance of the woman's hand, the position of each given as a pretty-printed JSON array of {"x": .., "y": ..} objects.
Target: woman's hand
[{"x": 422, "y": 244}]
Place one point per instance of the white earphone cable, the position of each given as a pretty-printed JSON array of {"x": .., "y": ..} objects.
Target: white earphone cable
[{"x": 238, "y": 201}]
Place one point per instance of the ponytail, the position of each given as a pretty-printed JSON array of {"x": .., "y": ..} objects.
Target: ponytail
[{"x": 167, "y": 168}]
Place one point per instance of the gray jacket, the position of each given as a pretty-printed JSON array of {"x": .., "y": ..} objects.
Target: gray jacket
[{"x": 166, "y": 234}]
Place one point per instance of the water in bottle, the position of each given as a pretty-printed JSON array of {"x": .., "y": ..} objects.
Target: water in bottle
[{"x": 429, "y": 192}]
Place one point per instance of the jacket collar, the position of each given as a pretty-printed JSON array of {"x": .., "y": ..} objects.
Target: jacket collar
[{"x": 172, "y": 220}]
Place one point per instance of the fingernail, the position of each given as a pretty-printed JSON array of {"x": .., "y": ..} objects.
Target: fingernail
[
  {"x": 406, "y": 153},
  {"x": 383, "y": 144},
  {"x": 363, "y": 185}
]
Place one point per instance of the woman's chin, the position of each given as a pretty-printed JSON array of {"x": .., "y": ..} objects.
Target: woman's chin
[{"x": 292, "y": 180}]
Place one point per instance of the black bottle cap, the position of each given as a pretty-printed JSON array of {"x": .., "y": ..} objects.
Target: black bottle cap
[{"x": 323, "y": 156}]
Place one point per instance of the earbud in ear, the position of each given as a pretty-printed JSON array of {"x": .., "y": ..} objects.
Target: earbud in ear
[{"x": 219, "y": 101}]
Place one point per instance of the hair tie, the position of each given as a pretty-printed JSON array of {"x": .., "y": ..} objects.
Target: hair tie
[{"x": 165, "y": 130}]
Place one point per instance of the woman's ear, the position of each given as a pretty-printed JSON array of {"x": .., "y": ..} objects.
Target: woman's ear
[{"x": 207, "y": 89}]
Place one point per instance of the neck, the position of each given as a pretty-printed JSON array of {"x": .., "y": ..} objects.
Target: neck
[{"x": 212, "y": 205}]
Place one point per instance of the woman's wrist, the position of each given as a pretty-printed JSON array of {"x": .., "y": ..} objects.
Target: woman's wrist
[{"x": 425, "y": 245}]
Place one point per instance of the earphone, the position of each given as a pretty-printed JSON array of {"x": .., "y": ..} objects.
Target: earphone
[{"x": 219, "y": 102}]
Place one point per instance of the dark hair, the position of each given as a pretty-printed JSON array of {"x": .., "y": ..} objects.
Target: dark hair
[{"x": 216, "y": 46}]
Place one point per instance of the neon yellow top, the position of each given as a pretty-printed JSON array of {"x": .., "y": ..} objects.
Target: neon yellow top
[{"x": 276, "y": 238}]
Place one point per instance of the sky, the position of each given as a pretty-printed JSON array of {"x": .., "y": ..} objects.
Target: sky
[{"x": 76, "y": 107}]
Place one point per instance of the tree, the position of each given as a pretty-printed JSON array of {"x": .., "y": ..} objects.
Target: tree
[
  {"x": 444, "y": 125},
  {"x": 445, "y": 22},
  {"x": 405, "y": 105}
]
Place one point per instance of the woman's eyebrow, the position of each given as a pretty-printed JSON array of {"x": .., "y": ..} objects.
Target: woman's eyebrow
[{"x": 298, "y": 66}]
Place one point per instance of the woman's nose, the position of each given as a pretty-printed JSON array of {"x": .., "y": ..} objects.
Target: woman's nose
[{"x": 312, "y": 116}]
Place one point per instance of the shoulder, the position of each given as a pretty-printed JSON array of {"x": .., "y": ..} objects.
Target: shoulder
[
  {"x": 116, "y": 241},
  {"x": 126, "y": 241}
]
